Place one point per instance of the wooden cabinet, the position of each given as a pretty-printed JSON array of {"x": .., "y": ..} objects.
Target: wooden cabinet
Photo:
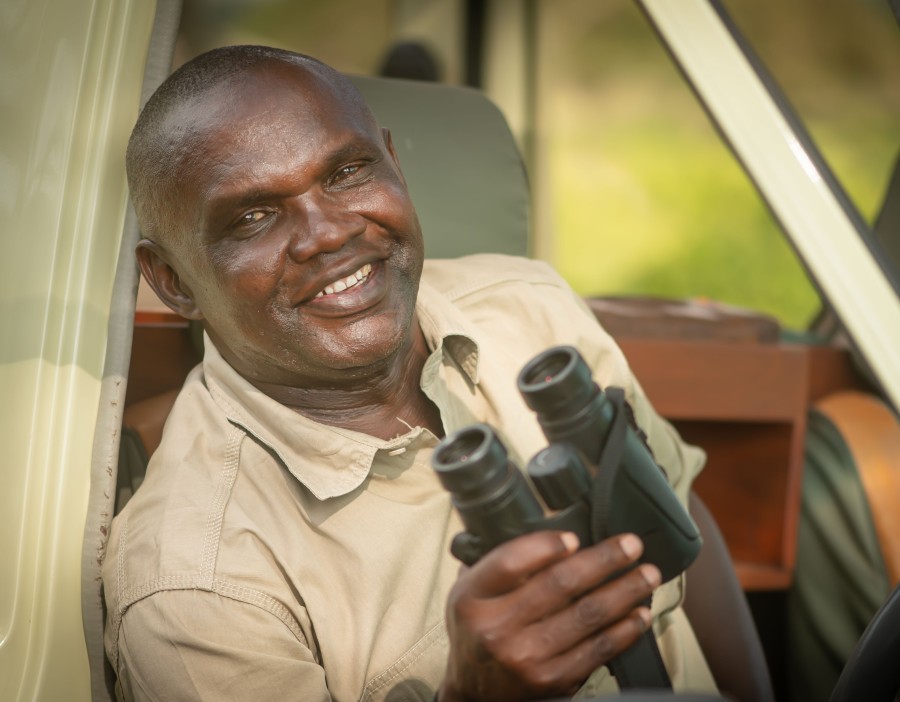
[{"x": 745, "y": 404}]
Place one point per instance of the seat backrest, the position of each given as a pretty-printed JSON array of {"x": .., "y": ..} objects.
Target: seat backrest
[{"x": 464, "y": 170}]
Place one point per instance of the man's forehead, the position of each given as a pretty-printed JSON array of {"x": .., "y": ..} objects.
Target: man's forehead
[
  {"x": 241, "y": 134},
  {"x": 266, "y": 96},
  {"x": 264, "y": 110}
]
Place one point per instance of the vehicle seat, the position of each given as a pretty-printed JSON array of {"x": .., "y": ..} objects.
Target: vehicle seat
[
  {"x": 463, "y": 167},
  {"x": 848, "y": 544}
]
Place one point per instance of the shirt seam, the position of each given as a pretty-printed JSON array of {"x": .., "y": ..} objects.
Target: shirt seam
[
  {"x": 120, "y": 592},
  {"x": 264, "y": 601},
  {"x": 216, "y": 514}
]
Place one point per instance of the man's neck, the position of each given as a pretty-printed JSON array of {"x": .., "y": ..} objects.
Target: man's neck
[{"x": 385, "y": 403}]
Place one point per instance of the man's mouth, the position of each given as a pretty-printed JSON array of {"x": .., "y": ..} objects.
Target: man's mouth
[{"x": 345, "y": 283}]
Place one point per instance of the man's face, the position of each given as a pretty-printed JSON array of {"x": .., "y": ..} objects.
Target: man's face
[{"x": 298, "y": 241}]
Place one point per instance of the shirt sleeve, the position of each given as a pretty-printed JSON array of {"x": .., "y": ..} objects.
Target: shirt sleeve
[{"x": 196, "y": 645}]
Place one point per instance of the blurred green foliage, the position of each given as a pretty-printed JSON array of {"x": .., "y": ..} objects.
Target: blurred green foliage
[
  {"x": 669, "y": 213},
  {"x": 646, "y": 197}
]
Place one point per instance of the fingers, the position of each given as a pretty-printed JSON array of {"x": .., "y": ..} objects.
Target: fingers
[
  {"x": 542, "y": 590},
  {"x": 553, "y": 588},
  {"x": 536, "y": 614},
  {"x": 509, "y": 565},
  {"x": 600, "y": 610},
  {"x": 559, "y": 653},
  {"x": 565, "y": 672}
]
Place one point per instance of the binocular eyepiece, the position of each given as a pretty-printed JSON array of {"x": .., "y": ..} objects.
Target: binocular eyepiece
[
  {"x": 596, "y": 475},
  {"x": 556, "y": 382},
  {"x": 493, "y": 497}
]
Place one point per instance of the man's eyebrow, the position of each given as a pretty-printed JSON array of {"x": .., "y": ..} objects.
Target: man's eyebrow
[
  {"x": 353, "y": 149},
  {"x": 222, "y": 195}
]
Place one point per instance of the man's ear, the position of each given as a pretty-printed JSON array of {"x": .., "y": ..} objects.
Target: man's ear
[{"x": 164, "y": 280}]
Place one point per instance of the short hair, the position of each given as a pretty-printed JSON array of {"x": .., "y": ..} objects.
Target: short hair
[{"x": 150, "y": 158}]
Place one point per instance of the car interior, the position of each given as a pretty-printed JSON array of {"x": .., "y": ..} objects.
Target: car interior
[{"x": 725, "y": 377}]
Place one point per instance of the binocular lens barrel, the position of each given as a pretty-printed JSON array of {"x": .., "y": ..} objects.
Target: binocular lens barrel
[
  {"x": 556, "y": 381},
  {"x": 598, "y": 485},
  {"x": 570, "y": 407},
  {"x": 491, "y": 495},
  {"x": 471, "y": 462}
]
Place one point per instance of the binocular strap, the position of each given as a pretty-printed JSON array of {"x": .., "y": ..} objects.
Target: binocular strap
[{"x": 640, "y": 666}]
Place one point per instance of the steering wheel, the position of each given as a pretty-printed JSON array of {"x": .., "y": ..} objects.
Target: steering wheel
[{"x": 872, "y": 672}]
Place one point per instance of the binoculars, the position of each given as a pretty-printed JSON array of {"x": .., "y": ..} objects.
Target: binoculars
[{"x": 596, "y": 478}]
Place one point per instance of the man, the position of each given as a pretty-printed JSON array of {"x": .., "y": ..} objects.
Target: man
[{"x": 290, "y": 540}]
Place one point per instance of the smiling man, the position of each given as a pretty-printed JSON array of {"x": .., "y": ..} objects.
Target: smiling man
[{"x": 290, "y": 540}]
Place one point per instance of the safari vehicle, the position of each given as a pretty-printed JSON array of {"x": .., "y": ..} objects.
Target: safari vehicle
[{"x": 77, "y": 351}]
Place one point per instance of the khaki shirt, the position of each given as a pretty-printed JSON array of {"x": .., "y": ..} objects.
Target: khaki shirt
[{"x": 267, "y": 556}]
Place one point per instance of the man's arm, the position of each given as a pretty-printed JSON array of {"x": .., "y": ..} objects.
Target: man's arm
[
  {"x": 196, "y": 645},
  {"x": 534, "y": 618}
]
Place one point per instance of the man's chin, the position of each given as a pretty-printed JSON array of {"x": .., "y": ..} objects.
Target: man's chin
[
  {"x": 370, "y": 347},
  {"x": 363, "y": 360}
]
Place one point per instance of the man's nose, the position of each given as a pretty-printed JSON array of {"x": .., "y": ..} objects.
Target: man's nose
[{"x": 324, "y": 227}]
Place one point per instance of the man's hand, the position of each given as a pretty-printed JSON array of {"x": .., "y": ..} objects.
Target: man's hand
[{"x": 535, "y": 617}]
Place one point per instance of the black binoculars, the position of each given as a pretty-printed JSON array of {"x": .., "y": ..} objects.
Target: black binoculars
[{"x": 597, "y": 476}]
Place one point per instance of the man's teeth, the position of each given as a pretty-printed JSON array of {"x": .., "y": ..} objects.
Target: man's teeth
[{"x": 348, "y": 282}]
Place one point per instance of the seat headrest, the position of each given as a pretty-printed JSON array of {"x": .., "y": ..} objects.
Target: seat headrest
[{"x": 465, "y": 173}]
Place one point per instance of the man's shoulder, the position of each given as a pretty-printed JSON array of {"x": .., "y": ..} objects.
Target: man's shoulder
[
  {"x": 458, "y": 278},
  {"x": 163, "y": 529},
  {"x": 194, "y": 434}
]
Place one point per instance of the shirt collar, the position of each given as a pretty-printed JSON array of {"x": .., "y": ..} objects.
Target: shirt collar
[
  {"x": 446, "y": 328},
  {"x": 330, "y": 461}
]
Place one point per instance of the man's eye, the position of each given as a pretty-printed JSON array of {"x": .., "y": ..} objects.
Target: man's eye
[
  {"x": 252, "y": 217},
  {"x": 345, "y": 172}
]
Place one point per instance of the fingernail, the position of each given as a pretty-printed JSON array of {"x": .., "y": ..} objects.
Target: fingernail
[
  {"x": 631, "y": 545},
  {"x": 651, "y": 574},
  {"x": 570, "y": 541}
]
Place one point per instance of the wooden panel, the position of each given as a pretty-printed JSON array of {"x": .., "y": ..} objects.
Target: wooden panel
[
  {"x": 756, "y": 578},
  {"x": 162, "y": 354},
  {"x": 715, "y": 380},
  {"x": 745, "y": 405},
  {"x": 832, "y": 369},
  {"x": 751, "y": 485}
]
